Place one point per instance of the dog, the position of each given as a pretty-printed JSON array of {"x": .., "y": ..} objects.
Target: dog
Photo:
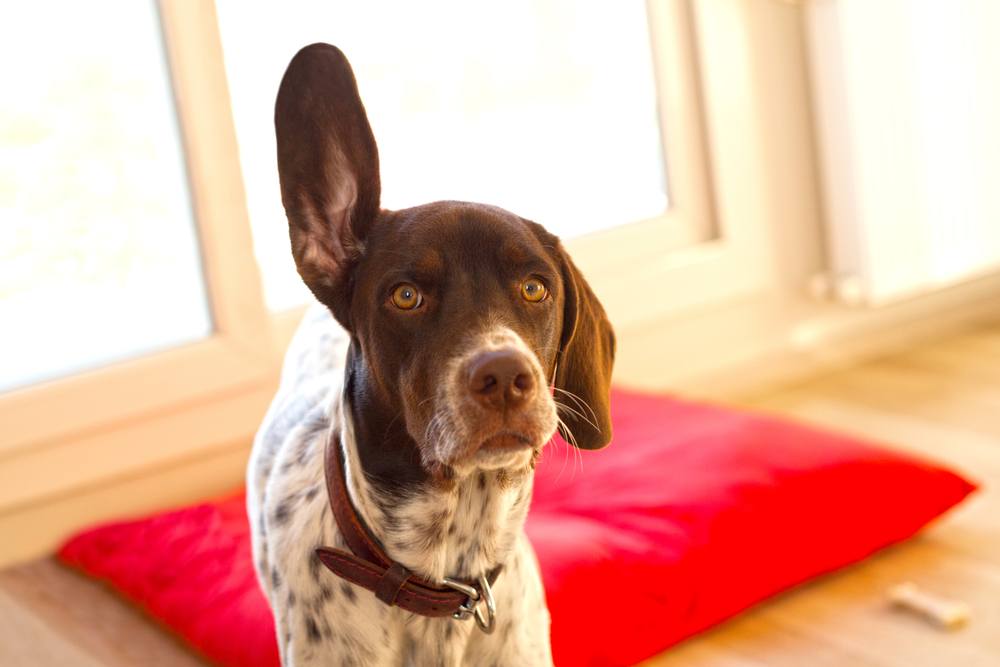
[{"x": 393, "y": 470}]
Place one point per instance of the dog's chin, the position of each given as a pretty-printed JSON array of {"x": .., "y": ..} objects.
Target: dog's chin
[
  {"x": 506, "y": 449},
  {"x": 510, "y": 450}
]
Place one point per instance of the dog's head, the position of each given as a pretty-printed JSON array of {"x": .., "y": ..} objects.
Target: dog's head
[{"x": 464, "y": 315}]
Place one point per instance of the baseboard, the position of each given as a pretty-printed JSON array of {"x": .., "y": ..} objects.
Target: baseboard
[
  {"x": 38, "y": 529},
  {"x": 741, "y": 349}
]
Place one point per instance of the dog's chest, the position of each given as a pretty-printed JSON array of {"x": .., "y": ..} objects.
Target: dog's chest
[{"x": 462, "y": 532}]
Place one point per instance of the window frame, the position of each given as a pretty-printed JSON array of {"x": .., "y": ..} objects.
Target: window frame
[
  {"x": 708, "y": 246},
  {"x": 47, "y": 427}
]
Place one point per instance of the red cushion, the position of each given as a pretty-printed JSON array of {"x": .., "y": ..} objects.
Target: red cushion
[{"x": 695, "y": 513}]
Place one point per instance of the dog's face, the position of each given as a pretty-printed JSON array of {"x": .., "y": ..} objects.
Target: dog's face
[
  {"x": 464, "y": 315},
  {"x": 462, "y": 307}
]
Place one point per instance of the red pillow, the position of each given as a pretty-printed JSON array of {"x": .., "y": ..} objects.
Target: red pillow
[{"x": 695, "y": 513}]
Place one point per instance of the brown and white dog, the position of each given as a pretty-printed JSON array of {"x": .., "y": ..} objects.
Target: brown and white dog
[{"x": 450, "y": 342}]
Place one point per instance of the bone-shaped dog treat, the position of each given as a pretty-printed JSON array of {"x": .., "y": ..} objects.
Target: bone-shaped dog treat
[{"x": 947, "y": 614}]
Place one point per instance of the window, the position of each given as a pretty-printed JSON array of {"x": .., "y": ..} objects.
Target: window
[
  {"x": 134, "y": 332},
  {"x": 99, "y": 259},
  {"x": 138, "y": 340},
  {"x": 551, "y": 109}
]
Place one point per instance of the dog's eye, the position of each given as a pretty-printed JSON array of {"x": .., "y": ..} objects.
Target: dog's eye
[
  {"x": 406, "y": 297},
  {"x": 534, "y": 290}
]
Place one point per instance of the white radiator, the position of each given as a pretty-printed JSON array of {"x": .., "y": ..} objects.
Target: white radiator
[{"x": 907, "y": 102}]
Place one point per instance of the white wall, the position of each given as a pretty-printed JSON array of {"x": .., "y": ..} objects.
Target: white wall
[
  {"x": 908, "y": 109},
  {"x": 779, "y": 332}
]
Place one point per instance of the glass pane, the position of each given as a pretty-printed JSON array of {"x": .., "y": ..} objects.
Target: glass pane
[
  {"x": 545, "y": 107},
  {"x": 99, "y": 258}
]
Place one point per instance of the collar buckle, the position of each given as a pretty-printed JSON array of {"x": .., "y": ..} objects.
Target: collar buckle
[{"x": 473, "y": 605}]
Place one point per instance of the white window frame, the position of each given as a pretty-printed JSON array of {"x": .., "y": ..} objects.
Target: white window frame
[
  {"x": 657, "y": 268},
  {"x": 70, "y": 434}
]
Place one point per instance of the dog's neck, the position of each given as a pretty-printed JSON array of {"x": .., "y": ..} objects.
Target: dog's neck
[{"x": 459, "y": 527}]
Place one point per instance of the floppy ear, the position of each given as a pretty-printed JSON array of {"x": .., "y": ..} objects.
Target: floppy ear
[
  {"x": 586, "y": 355},
  {"x": 328, "y": 168}
]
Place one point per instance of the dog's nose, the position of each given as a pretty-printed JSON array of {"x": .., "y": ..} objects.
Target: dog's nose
[{"x": 501, "y": 379}]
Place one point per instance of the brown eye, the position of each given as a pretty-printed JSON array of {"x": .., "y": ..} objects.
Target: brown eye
[
  {"x": 406, "y": 297},
  {"x": 533, "y": 290}
]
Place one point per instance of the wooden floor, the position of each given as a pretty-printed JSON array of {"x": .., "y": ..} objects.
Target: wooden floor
[{"x": 942, "y": 400}]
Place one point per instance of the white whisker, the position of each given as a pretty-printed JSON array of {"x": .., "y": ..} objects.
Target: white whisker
[
  {"x": 576, "y": 413},
  {"x": 582, "y": 404}
]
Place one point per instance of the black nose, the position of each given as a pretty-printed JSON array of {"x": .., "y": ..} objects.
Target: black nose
[{"x": 501, "y": 379}]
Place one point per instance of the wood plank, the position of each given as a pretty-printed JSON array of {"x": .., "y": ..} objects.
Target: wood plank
[
  {"x": 27, "y": 640},
  {"x": 53, "y": 616},
  {"x": 940, "y": 401}
]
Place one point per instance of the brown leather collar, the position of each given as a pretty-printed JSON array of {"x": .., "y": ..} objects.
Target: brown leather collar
[{"x": 368, "y": 565}]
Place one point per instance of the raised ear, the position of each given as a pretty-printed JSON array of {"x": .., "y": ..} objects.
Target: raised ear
[
  {"x": 328, "y": 168},
  {"x": 586, "y": 356}
]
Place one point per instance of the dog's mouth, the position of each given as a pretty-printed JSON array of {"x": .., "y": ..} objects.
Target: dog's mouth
[
  {"x": 504, "y": 449},
  {"x": 465, "y": 444},
  {"x": 506, "y": 441}
]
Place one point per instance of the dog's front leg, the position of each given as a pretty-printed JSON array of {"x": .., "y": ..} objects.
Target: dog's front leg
[
  {"x": 324, "y": 620},
  {"x": 521, "y": 635},
  {"x": 331, "y": 635},
  {"x": 437, "y": 642}
]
